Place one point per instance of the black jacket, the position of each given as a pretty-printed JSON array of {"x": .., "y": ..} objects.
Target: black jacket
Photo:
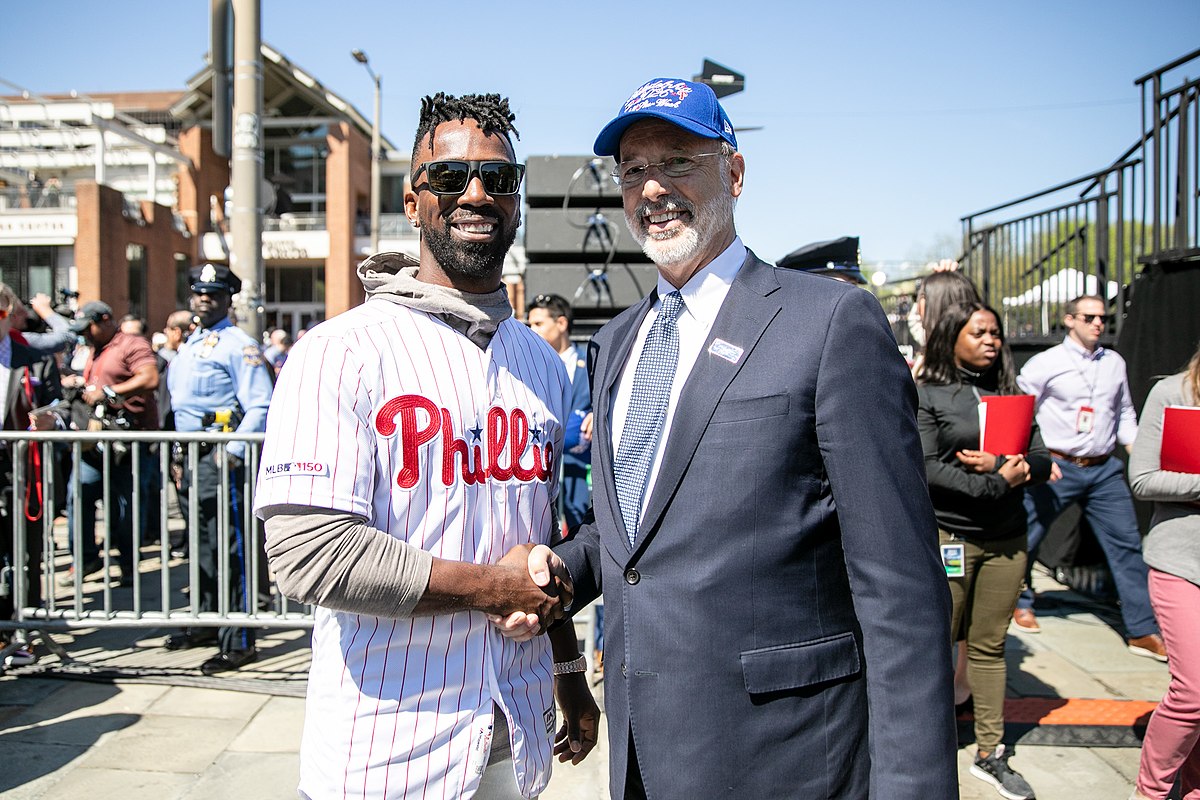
[
  {"x": 34, "y": 374},
  {"x": 970, "y": 504}
]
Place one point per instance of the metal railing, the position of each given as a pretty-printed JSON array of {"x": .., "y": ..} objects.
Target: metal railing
[
  {"x": 1170, "y": 148},
  {"x": 1028, "y": 266},
  {"x": 1092, "y": 234},
  {"x": 153, "y": 599},
  {"x": 395, "y": 225},
  {"x": 36, "y": 199},
  {"x": 390, "y": 225},
  {"x": 295, "y": 221}
]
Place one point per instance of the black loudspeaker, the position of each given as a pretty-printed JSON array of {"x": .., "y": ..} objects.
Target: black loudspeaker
[{"x": 576, "y": 241}]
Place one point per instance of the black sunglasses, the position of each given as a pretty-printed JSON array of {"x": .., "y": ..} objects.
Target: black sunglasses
[
  {"x": 448, "y": 178},
  {"x": 1087, "y": 318}
]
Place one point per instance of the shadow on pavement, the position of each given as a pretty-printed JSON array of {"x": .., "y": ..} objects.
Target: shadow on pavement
[{"x": 33, "y": 752}]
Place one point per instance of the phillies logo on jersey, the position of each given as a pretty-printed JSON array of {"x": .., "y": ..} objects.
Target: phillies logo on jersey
[{"x": 505, "y": 430}]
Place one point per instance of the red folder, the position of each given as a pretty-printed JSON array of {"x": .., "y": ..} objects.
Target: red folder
[
  {"x": 1181, "y": 439},
  {"x": 1005, "y": 424}
]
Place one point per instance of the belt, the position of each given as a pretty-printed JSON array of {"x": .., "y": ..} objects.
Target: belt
[{"x": 1082, "y": 461}]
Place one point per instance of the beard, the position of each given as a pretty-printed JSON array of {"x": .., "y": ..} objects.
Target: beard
[
  {"x": 685, "y": 243},
  {"x": 469, "y": 259}
]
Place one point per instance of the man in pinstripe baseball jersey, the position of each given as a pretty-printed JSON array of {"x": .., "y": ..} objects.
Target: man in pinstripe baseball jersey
[{"x": 410, "y": 466}]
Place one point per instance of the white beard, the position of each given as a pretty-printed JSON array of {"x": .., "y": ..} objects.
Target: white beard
[{"x": 682, "y": 244}]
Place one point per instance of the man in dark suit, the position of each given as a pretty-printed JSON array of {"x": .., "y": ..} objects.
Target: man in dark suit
[{"x": 777, "y": 613}]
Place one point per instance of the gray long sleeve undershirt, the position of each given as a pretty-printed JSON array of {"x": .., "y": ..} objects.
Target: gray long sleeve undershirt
[{"x": 336, "y": 560}]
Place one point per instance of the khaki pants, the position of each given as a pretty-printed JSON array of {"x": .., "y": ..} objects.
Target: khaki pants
[{"x": 983, "y": 602}]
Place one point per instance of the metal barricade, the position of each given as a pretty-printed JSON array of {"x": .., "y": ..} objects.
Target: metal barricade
[
  {"x": 156, "y": 599},
  {"x": 156, "y": 596}
]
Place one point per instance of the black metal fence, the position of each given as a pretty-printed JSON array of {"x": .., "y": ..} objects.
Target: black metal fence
[
  {"x": 1170, "y": 148},
  {"x": 1091, "y": 235},
  {"x": 1029, "y": 265}
]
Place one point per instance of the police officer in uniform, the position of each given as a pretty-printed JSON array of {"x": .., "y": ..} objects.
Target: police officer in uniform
[{"x": 219, "y": 380}]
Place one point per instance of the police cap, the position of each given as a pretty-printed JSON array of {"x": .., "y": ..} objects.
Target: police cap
[
  {"x": 208, "y": 278},
  {"x": 835, "y": 258}
]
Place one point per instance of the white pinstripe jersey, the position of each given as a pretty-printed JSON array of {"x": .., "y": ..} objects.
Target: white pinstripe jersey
[{"x": 389, "y": 413}]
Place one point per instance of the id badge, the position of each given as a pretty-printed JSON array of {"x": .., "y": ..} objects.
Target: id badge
[
  {"x": 1085, "y": 420},
  {"x": 953, "y": 557}
]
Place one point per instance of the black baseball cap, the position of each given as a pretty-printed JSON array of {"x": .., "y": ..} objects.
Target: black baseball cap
[{"x": 95, "y": 311}]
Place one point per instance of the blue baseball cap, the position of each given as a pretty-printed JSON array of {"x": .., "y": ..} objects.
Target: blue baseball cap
[{"x": 691, "y": 106}]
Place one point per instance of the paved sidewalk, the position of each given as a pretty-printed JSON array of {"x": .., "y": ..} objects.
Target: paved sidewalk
[
  {"x": 1078, "y": 654},
  {"x": 159, "y": 731}
]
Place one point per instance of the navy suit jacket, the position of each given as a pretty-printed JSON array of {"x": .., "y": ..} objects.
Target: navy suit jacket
[
  {"x": 581, "y": 401},
  {"x": 781, "y": 626}
]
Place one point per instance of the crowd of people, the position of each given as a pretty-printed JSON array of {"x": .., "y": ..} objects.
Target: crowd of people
[
  {"x": 93, "y": 371},
  {"x": 449, "y": 486}
]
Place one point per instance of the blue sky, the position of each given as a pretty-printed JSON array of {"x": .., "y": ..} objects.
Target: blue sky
[{"x": 880, "y": 119}]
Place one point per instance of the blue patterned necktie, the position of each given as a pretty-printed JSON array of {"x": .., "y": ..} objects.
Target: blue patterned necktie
[{"x": 647, "y": 410}]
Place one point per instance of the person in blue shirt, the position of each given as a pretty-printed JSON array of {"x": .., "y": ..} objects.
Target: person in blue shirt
[
  {"x": 218, "y": 371},
  {"x": 53, "y": 334}
]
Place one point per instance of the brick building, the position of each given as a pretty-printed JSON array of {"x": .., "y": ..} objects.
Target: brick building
[{"x": 117, "y": 195}]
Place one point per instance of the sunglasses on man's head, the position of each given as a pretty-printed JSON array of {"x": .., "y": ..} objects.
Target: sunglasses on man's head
[{"x": 448, "y": 178}]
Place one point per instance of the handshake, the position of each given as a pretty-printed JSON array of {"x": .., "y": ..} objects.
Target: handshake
[{"x": 532, "y": 590}]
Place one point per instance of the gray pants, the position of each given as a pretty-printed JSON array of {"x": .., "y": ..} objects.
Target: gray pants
[{"x": 499, "y": 781}]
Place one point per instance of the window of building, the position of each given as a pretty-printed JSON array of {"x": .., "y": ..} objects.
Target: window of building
[
  {"x": 183, "y": 286},
  {"x": 297, "y": 163},
  {"x": 135, "y": 258},
  {"x": 295, "y": 297},
  {"x": 31, "y": 269},
  {"x": 295, "y": 285},
  {"x": 391, "y": 194}
]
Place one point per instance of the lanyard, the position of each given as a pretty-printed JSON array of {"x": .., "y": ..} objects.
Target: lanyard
[{"x": 1090, "y": 384}]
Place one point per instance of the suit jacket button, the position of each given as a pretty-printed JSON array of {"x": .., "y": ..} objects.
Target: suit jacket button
[{"x": 632, "y": 576}]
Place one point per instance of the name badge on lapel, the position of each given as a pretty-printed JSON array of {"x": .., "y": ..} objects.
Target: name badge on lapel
[{"x": 723, "y": 349}]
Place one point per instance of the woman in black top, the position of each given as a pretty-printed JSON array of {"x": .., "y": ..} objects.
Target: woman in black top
[{"x": 977, "y": 497}]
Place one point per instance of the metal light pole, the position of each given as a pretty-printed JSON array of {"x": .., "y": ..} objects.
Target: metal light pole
[
  {"x": 361, "y": 58},
  {"x": 246, "y": 166}
]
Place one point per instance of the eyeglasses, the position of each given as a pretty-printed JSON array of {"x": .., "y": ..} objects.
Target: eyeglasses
[
  {"x": 633, "y": 173},
  {"x": 1089, "y": 318},
  {"x": 449, "y": 178}
]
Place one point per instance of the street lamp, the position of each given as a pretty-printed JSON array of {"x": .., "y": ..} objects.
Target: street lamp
[{"x": 361, "y": 58}]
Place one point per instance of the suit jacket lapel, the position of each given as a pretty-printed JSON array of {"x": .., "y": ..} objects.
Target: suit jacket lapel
[
  {"x": 745, "y": 314},
  {"x": 608, "y": 369}
]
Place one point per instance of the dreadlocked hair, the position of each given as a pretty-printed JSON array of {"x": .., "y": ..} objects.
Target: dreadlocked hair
[{"x": 491, "y": 111}]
